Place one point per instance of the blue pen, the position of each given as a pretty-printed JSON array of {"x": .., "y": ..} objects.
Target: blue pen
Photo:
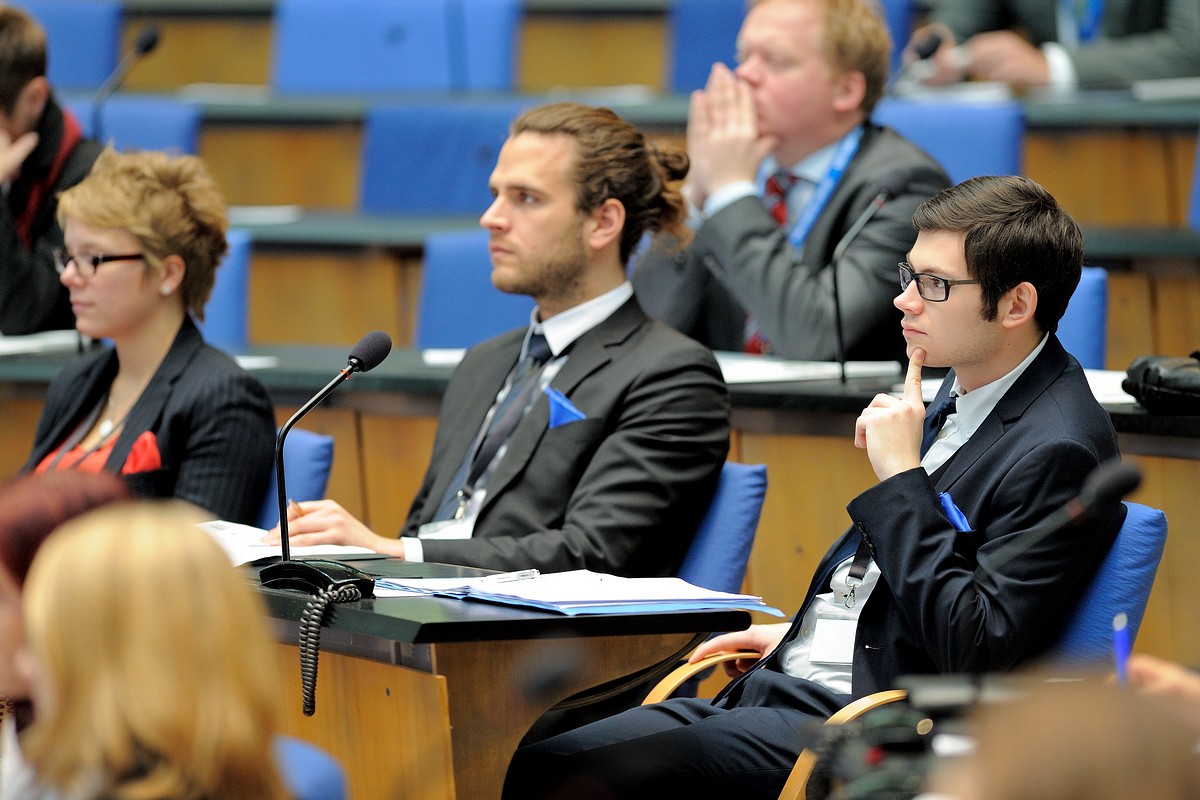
[{"x": 1121, "y": 646}]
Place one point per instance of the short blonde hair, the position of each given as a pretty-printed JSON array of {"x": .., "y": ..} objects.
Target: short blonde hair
[
  {"x": 156, "y": 654},
  {"x": 169, "y": 202}
]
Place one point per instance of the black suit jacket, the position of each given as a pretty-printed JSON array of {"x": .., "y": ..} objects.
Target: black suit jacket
[
  {"x": 213, "y": 422},
  {"x": 944, "y": 604},
  {"x": 742, "y": 261},
  {"x": 621, "y": 491}
]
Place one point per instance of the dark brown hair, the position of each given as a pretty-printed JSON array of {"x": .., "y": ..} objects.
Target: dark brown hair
[
  {"x": 614, "y": 160},
  {"x": 22, "y": 54}
]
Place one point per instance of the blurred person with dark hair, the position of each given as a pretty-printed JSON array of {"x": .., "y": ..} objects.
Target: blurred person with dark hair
[
  {"x": 174, "y": 417},
  {"x": 31, "y": 507},
  {"x": 42, "y": 152}
]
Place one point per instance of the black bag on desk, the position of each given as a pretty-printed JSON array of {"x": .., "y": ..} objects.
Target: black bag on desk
[{"x": 1165, "y": 384}]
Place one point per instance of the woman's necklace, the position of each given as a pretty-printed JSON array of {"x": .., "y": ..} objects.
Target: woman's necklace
[{"x": 108, "y": 424}]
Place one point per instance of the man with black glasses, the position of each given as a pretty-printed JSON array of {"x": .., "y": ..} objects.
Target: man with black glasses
[{"x": 922, "y": 582}]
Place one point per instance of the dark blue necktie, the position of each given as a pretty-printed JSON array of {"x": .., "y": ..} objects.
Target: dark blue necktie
[
  {"x": 508, "y": 414},
  {"x": 934, "y": 422}
]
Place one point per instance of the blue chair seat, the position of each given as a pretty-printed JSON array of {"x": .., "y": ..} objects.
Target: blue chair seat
[
  {"x": 307, "y": 460},
  {"x": 1083, "y": 327},
  {"x": 1121, "y": 586},
  {"x": 717, "y": 556},
  {"x": 967, "y": 139},
  {"x": 309, "y": 772}
]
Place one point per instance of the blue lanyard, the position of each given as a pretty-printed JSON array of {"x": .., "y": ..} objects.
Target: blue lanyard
[
  {"x": 842, "y": 156},
  {"x": 1087, "y": 18}
]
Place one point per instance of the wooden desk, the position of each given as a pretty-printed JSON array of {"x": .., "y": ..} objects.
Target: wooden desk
[
  {"x": 803, "y": 432},
  {"x": 428, "y": 698}
]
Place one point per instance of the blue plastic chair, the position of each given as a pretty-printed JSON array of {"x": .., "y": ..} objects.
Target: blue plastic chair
[
  {"x": 701, "y": 33},
  {"x": 967, "y": 139},
  {"x": 143, "y": 122},
  {"x": 83, "y": 39},
  {"x": 309, "y": 772},
  {"x": 432, "y": 158},
  {"x": 458, "y": 306},
  {"x": 307, "y": 460},
  {"x": 1083, "y": 327},
  {"x": 365, "y": 46},
  {"x": 1122, "y": 585},
  {"x": 224, "y": 324},
  {"x": 717, "y": 556}
]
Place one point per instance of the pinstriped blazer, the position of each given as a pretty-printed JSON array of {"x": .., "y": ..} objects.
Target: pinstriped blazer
[{"x": 213, "y": 422}]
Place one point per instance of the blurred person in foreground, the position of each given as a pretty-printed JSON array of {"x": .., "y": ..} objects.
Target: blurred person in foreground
[
  {"x": 150, "y": 662},
  {"x": 31, "y": 507},
  {"x": 173, "y": 416}
]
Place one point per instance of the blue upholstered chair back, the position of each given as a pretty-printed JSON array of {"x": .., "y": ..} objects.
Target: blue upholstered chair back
[
  {"x": 899, "y": 17},
  {"x": 1083, "y": 327},
  {"x": 307, "y": 459},
  {"x": 1194, "y": 208},
  {"x": 967, "y": 139},
  {"x": 224, "y": 324},
  {"x": 140, "y": 122},
  {"x": 309, "y": 772},
  {"x": 83, "y": 38},
  {"x": 459, "y": 307},
  {"x": 1122, "y": 585},
  {"x": 700, "y": 33},
  {"x": 373, "y": 46},
  {"x": 432, "y": 158},
  {"x": 718, "y": 555}
]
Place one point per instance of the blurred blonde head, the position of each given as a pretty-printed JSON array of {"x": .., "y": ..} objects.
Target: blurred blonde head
[
  {"x": 170, "y": 203},
  {"x": 153, "y": 675}
]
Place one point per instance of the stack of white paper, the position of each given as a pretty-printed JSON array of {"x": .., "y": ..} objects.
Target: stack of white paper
[
  {"x": 577, "y": 592},
  {"x": 244, "y": 544}
]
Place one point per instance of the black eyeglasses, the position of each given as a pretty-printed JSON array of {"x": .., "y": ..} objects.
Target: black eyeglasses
[
  {"x": 931, "y": 287},
  {"x": 87, "y": 265}
]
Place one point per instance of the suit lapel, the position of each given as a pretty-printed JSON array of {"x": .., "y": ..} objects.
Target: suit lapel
[
  {"x": 1044, "y": 370},
  {"x": 589, "y": 353},
  {"x": 148, "y": 410},
  {"x": 96, "y": 381}
]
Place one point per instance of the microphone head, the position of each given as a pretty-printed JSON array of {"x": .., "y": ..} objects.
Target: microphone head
[
  {"x": 370, "y": 351},
  {"x": 927, "y": 46},
  {"x": 1108, "y": 483},
  {"x": 147, "y": 40}
]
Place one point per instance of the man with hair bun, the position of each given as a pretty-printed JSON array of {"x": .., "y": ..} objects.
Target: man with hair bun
[{"x": 602, "y": 451}]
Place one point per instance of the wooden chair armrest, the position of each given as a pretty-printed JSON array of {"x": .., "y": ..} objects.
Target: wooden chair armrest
[{"x": 674, "y": 679}]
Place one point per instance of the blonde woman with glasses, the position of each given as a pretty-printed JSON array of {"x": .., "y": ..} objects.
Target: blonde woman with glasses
[{"x": 144, "y": 233}]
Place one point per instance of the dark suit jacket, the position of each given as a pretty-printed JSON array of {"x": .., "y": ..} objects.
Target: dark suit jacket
[
  {"x": 741, "y": 260},
  {"x": 213, "y": 422},
  {"x": 1140, "y": 38},
  {"x": 31, "y": 296},
  {"x": 621, "y": 491},
  {"x": 944, "y": 604}
]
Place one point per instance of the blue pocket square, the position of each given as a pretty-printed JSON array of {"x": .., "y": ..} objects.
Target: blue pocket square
[
  {"x": 957, "y": 518},
  {"x": 562, "y": 411}
]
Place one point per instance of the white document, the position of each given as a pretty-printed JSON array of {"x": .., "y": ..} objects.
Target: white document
[
  {"x": 244, "y": 544},
  {"x": 744, "y": 368},
  {"x": 44, "y": 342}
]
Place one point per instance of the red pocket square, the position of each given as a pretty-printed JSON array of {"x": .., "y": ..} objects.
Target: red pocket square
[{"x": 144, "y": 456}]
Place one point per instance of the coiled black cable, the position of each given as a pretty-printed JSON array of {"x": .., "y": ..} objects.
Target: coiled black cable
[{"x": 310, "y": 638}]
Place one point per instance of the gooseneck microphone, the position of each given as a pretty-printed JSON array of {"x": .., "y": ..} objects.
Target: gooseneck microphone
[
  {"x": 1103, "y": 488},
  {"x": 893, "y": 185},
  {"x": 315, "y": 575},
  {"x": 146, "y": 41}
]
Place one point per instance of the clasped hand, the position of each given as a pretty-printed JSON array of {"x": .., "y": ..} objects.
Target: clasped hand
[{"x": 722, "y": 135}]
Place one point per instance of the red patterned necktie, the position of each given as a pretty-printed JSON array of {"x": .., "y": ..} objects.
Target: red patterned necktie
[{"x": 775, "y": 198}]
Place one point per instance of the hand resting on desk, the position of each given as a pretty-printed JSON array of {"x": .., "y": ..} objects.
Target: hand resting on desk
[{"x": 326, "y": 522}]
